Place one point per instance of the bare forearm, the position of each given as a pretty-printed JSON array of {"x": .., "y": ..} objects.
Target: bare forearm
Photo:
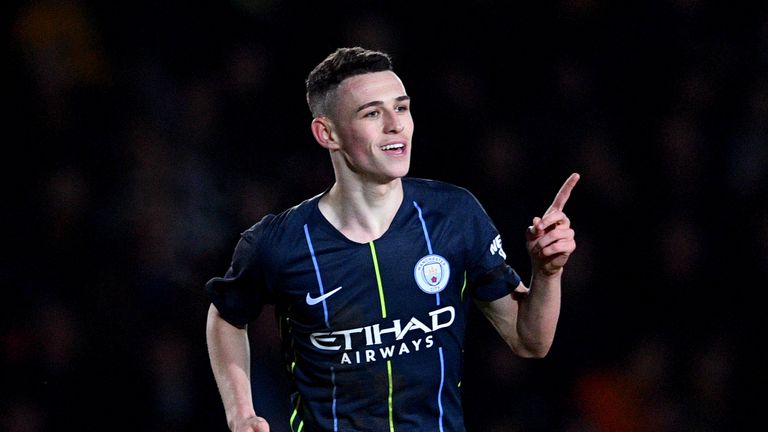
[
  {"x": 550, "y": 240},
  {"x": 229, "y": 354},
  {"x": 538, "y": 314}
]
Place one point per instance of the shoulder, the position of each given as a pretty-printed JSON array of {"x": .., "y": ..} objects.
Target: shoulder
[
  {"x": 276, "y": 224},
  {"x": 274, "y": 237},
  {"x": 428, "y": 189}
]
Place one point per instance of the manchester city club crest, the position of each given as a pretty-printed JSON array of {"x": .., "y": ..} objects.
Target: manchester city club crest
[{"x": 432, "y": 273}]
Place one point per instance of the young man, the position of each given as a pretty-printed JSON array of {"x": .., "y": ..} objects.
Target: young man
[{"x": 372, "y": 278}]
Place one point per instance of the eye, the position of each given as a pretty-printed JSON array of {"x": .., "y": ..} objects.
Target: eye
[
  {"x": 402, "y": 108},
  {"x": 371, "y": 114}
]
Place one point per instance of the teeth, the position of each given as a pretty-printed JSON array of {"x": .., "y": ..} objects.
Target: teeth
[{"x": 392, "y": 146}]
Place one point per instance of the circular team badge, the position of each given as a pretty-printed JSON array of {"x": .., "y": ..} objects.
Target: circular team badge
[{"x": 432, "y": 273}]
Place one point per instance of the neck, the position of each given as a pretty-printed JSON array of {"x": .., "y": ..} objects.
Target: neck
[{"x": 362, "y": 212}]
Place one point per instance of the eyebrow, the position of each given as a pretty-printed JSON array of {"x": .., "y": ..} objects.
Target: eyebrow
[{"x": 379, "y": 103}]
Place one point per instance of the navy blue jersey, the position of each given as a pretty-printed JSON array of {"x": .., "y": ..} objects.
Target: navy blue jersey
[{"x": 373, "y": 333}]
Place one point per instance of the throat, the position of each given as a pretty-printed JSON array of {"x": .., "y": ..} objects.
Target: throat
[
  {"x": 359, "y": 219},
  {"x": 363, "y": 228},
  {"x": 362, "y": 235}
]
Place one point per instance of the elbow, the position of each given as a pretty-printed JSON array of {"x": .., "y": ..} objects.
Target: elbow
[
  {"x": 539, "y": 353},
  {"x": 534, "y": 343},
  {"x": 533, "y": 353},
  {"x": 531, "y": 350}
]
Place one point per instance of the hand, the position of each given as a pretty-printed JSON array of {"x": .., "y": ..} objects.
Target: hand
[
  {"x": 550, "y": 239},
  {"x": 251, "y": 424}
]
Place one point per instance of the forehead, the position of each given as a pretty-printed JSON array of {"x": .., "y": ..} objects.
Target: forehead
[{"x": 358, "y": 90}]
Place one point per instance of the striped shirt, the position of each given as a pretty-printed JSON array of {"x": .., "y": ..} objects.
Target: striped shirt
[{"x": 373, "y": 333}]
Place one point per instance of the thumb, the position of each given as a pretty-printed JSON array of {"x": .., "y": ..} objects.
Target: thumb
[{"x": 535, "y": 228}]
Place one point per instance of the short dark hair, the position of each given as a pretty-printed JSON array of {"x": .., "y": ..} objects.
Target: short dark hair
[{"x": 338, "y": 66}]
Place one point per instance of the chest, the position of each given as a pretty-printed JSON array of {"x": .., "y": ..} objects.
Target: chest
[{"x": 414, "y": 270}]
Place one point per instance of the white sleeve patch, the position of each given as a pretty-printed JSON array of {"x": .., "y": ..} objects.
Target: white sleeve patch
[{"x": 496, "y": 247}]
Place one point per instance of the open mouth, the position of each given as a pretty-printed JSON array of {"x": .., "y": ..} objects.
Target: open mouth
[{"x": 396, "y": 148}]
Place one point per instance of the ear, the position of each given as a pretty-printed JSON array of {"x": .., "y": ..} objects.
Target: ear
[{"x": 322, "y": 129}]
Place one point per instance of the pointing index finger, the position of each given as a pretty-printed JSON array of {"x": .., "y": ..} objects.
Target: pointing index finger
[{"x": 564, "y": 193}]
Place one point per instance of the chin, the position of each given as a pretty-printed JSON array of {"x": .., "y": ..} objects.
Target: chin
[
  {"x": 401, "y": 173},
  {"x": 393, "y": 172},
  {"x": 392, "y": 176}
]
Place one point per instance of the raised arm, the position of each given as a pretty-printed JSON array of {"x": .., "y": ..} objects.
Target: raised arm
[
  {"x": 528, "y": 322},
  {"x": 229, "y": 353}
]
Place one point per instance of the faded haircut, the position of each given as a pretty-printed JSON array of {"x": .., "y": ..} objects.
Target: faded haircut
[{"x": 338, "y": 66}]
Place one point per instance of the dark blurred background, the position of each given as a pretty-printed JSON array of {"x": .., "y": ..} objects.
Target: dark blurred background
[{"x": 143, "y": 137}]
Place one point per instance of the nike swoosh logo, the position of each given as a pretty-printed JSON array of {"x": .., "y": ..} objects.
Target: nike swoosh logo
[{"x": 313, "y": 301}]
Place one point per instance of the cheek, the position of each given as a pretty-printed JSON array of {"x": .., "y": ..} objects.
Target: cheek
[
  {"x": 408, "y": 125},
  {"x": 358, "y": 142}
]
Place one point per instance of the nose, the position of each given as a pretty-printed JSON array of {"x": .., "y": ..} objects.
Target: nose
[{"x": 394, "y": 124}]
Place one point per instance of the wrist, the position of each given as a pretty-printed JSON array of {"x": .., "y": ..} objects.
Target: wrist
[
  {"x": 240, "y": 417},
  {"x": 542, "y": 273}
]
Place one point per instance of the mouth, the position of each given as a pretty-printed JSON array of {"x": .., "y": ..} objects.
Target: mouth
[{"x": 394, "y": 148}]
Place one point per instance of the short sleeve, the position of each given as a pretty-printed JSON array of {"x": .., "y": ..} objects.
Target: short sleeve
[
  {"x": 488, "y": 275},
  {"x": 241, "y": 293}
]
